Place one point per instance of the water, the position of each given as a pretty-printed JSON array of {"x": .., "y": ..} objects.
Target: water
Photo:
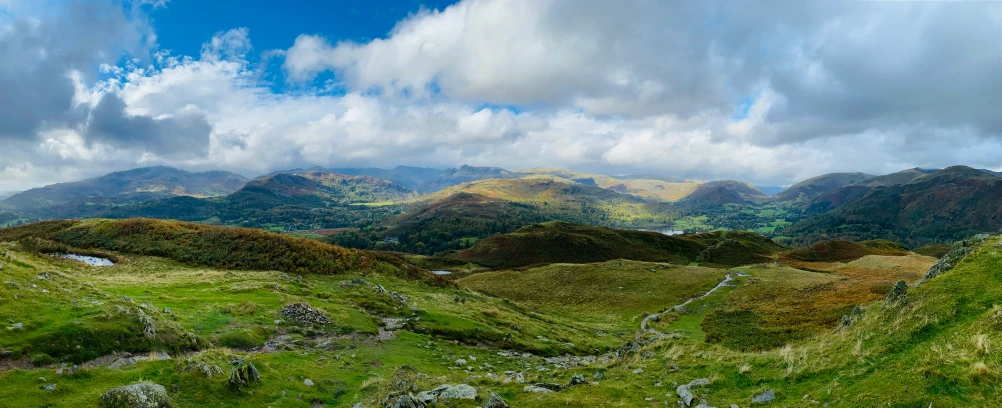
[
  {"x": 665, "y": 231},
  {"x": 442, "y": 272},
  {"x": 89, "y": 260}
]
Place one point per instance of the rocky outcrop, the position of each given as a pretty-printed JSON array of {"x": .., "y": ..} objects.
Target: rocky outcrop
[
  {"x": 495, "y": 401},
  {"x": 141, "y": 395},
  {"x": 959, "y": 251},
  {"x": 303, "y": 315},
  {"x": 898, "y": 293},
  {"x": 684, "y": 391},
  {"x": 244, "y": 375},
  {"x": 448, "y": 392}
]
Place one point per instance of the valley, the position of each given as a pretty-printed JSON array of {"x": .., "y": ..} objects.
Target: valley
[{"x": 542, "y": 289}]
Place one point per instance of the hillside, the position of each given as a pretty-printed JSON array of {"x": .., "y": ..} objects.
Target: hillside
[
  {"x": 646, "y": 187},
  {"x": 721, "y": 192},
  {"x": 88, "y": 198},
  {"x": 331, "y": 187},
  {"x": 562, "y": 242},
  {"x": 464, "y": 174},
  {"x": 813, "y": 187},
  {"x": 376, "y": 335},
  {"x": 289, "y": 202},
  {"x": 454, "y": 217},
  {"x": 943, "y": 206}
]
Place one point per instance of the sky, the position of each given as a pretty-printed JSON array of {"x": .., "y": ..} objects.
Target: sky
[{"x": 770, "y": 92}]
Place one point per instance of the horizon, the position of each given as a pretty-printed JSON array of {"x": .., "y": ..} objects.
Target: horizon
[
  {"x": 257, "y": 176},
  {"x": 705, "y": 91}
]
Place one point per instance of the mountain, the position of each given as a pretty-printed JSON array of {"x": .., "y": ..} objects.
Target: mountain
[
  {"x": 464, "y": 174},
  {"x": 331, "y": 187},
  {"x": 647, "y": 187},
  {"x": 813, "y": 187},
  {"x": 454, "y": 217},
  {"x": 563, "y": 242},
  {"x": 129, "y": 186},
  {"x": 721, "y": 192},
  {"x": 942, "y": 206},
  {"x": 311, "y": 200},
  {"x": 895, "y": 179}
]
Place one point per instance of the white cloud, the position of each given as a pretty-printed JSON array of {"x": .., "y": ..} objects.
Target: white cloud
[{"x": 626, "y": 87}]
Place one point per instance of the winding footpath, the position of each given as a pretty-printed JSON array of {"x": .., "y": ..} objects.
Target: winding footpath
[{"x": 643, "y": 323}]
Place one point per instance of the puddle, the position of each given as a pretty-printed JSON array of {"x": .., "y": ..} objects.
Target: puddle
[
  {"x": 89, "y": 260},
  {"x": 442, "y": 272}
]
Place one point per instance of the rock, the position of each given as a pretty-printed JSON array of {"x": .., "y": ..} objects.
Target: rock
[
  {"x": 141, "y": 395},
  {"x": 43, "y": 276},
  {"x": 461, "y": 391},
  {"x": 409, "y": 401},
  {"x": 6, "y": 353},
  {"x": 849, "y": 319},
  {"x": 897, "y": 294},
  {"x": 244, "y": 375},
  {"x": 578, "y": 379},
  {"x": 308, "y": 382},
  {"x": 303, "y": 315},
  {"x": 536, "y": 389},
  {"x": 685, "y": 393},
  {"x": 16, "y": 326},
  {"x": 638, "y": 371},
  {"x": 764, "y": 398},
  {"x": 495, "y": 401},
  {"x": 167, "y": 310},
  {"x": 48, "y": 387},
  {"x": 460, "y": 362},
  {"x": 734, "y": 406},
  {"x": 959, "y": 251}
]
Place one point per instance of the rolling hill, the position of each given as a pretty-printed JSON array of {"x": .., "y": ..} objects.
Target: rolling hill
[
  {"x": 942, "y": 206},
  {"x": 562, "y": 242},
  {"x": 811, "y": 188},
  {"x": 89, "y": 196},
  {"x": 722, "y": 192},
  {"x": 646, "y": 187}
]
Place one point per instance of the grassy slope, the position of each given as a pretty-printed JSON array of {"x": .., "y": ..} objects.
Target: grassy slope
[
  {"x": 198, "y": 244},
  {"x": 563, "y": 242},
  {"x": 939, "y": 346},
  {"x": 614, "y": 293}
]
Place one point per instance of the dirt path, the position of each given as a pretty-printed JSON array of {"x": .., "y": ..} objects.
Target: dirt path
[{"x": 643, "y": 323}]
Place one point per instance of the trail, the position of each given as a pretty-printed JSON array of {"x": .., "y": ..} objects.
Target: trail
[{"x": 643, "y": 323}]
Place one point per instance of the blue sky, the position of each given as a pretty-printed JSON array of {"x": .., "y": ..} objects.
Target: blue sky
[
  {"x": 184, "y": 25},
  {"x": 770, "y": 93}
]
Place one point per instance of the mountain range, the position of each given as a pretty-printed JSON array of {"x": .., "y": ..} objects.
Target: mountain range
[{"x": 449, "y": 209}]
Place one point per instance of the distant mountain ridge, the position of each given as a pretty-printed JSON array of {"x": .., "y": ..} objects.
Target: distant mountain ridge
[
  {"x": 941, "y": 206},
  {"x": 134, "y": 185},
  {"x": 722, "y": 192}
]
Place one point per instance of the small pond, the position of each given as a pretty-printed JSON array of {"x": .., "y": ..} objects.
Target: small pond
[
  {"x": 665, "y": 231},
  {"x": 442, "y": 272},
  {"x": 89, "y": 260}
]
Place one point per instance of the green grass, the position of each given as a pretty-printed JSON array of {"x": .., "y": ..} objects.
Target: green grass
[
  {"x": 610, "y": 293},
  {"x": 939, "y": 346}
]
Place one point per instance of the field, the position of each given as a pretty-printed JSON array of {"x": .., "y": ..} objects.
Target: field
[{"x": 778, "y": 328}]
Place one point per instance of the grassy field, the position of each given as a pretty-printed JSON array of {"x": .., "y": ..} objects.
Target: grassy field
[
  {"x": 613, "y": 293},
  {"x": 773, "y": 330}
]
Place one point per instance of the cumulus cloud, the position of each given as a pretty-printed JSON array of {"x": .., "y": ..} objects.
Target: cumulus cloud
[{"x": 764, "y": 92}]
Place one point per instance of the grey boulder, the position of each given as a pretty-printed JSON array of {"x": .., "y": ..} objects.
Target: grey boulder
[{"x": 141, "y": 395}]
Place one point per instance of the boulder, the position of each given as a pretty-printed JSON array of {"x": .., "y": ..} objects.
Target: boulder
[
  {"x": 578, "y": 379},
  {"x": 897, "y": 294},
  {"x": 537, "y": 389},
  {"x": 244, "y": 375},
  {"x": 685, "y": 393},
  {"x": 303, "y": 315},
  {"x": 764, "y": 398},
  {"x": 495, "y": 401},
  {"x": 409, "y": 401},
  {"x": 141, "y": 395},
  {"x": 448, "y": 392}
]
